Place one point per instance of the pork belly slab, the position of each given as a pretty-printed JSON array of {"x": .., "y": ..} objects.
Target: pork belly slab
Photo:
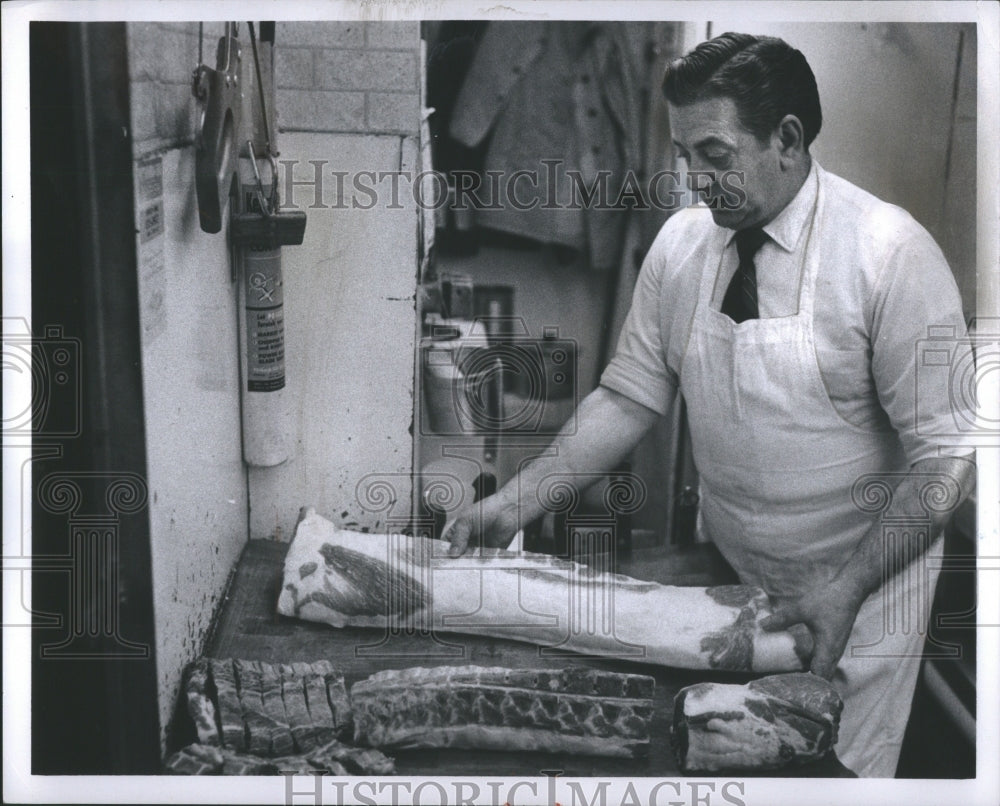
[{"x": 397, "y": 582}]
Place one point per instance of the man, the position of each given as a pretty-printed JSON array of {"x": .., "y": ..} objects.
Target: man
[{"x": 786, "y": 311}]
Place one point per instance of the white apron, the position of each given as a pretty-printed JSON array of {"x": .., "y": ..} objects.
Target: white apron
[{"x": 777, "y": 464}]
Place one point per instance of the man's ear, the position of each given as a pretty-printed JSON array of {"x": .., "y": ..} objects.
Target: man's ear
[{"x": 791, "y": 137}]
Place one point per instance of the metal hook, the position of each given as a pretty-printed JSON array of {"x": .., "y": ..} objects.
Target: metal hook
[
  {"x": 265, "y": 207},
  {"x": 231, "y": 33},
  {"x": 274, "y": 180}
]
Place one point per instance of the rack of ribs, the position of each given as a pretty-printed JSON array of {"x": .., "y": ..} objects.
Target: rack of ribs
[{"x": 573, "y": 710}]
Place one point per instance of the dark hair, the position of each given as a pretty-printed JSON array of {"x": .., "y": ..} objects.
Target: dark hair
[{"x": 765, "y": 76}]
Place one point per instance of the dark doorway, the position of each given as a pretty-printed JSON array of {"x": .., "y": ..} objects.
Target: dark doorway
[{"x": 93, "y": 669}]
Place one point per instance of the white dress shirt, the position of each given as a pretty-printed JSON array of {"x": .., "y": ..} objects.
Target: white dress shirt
[{"x": 883, "y": 282}]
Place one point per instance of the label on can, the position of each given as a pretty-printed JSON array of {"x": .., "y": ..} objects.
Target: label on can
[{"x": 265, "y": 320}]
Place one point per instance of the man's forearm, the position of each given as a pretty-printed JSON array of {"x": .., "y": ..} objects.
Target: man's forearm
[
  {"x": 607, "y": 427},
  {"x": 951, "y": 480},
  {"x": 830, "y": 610}
]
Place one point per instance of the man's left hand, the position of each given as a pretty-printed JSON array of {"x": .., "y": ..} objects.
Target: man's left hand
[{"x": 829, "y": 612}]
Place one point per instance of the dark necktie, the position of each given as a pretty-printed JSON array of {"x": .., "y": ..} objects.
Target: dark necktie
[{"x": 740, "y": 302}]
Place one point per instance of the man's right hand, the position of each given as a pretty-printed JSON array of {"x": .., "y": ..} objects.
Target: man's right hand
[
  {"x": 491, "y": 522},
  {"x": 607, "y": 426}
]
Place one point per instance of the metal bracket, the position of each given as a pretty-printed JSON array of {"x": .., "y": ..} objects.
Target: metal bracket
[
  {"x": 220, "y": 101},
  {"x": 267, "y": 227}
]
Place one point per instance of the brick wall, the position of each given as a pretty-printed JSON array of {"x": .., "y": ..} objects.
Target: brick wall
[
  {"x": 348, "y": 76},
  {"x": 338, "y": 83},
  {"x": 162, "y": 57},
  {"x": 190, "y": 369},
  {"x": 329, "y": 77}
]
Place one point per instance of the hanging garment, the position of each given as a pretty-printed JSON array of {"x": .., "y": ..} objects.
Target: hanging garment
[{"x": 555, "y": 98}]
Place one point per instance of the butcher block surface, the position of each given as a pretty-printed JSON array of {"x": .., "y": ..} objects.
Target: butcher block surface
[{"x": 249, "y": 627}]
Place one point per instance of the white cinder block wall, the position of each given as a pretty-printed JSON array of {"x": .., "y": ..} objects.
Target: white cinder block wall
[
  {"x": 348, "y": 77},
  {"x": 347, "y": 93},
  {"x": 190, "y": 367}
]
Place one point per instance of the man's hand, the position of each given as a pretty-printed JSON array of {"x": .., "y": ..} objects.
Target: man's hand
[
  {"x": 491, "y": 522},
  {"x": 607, "y": 426},
  {"x": 829, "y": 612}
]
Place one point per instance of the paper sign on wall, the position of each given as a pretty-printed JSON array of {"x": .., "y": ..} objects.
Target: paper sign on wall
[{"x": 152, "y": 266}]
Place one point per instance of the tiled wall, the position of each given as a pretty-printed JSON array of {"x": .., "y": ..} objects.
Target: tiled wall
[{"x": 348, "y": 76}]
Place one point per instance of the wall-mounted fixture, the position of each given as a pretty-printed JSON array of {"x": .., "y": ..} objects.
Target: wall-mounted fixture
[
  {"x": 257, "y": 231},
  {"x": 220, "y": 101}
]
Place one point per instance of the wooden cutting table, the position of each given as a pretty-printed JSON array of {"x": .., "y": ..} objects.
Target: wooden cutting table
[{"x": 249, "y": 627}]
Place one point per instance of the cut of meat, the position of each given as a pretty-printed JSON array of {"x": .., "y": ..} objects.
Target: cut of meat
[
  {"x": 336, "y": 696},
  {"x": 230, "y": 712},
  {"x": 774, "y": 722},
  {"x": 323, "y": 729},
  {"x": 275, "y": 718},
  {"x": 356, "y": 760},
  {"x": 294, "y": 695},
  {"x": 195, "y": 759},
  {"x": 334, "y": 758},
  {"x": 297, "y": 765},
  {"x": 274, "y": 709},
  {"x": 199, "y": 759},
  {"x": 198, "y": 693},
  {"x": 410, "y": 584},
  {"x": 245, "y": 764},
  {"x": 258, "y": 726},
  {"x": 316, "y": 704},
  {"x": 326, "y": 692},
  {"x": 808, "y": 692},
  {"x": 573, "y": 710}
]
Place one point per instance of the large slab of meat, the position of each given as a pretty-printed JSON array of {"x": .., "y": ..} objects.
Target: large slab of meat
[
  {"x": 582, "y": 711},
  {"x": 396, "y": 582},
  {"x": 334, "y": 758},
  {"x": 254, "y": 718},
  {"x": 767, "y": 724}
]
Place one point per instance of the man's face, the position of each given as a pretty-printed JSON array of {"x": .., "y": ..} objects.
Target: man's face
[{"x": 710, "y": 138}]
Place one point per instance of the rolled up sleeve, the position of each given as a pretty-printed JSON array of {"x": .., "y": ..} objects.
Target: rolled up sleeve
[
  {"x": 639, "y": 369},
  {"x": 922, "y": 361}
]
